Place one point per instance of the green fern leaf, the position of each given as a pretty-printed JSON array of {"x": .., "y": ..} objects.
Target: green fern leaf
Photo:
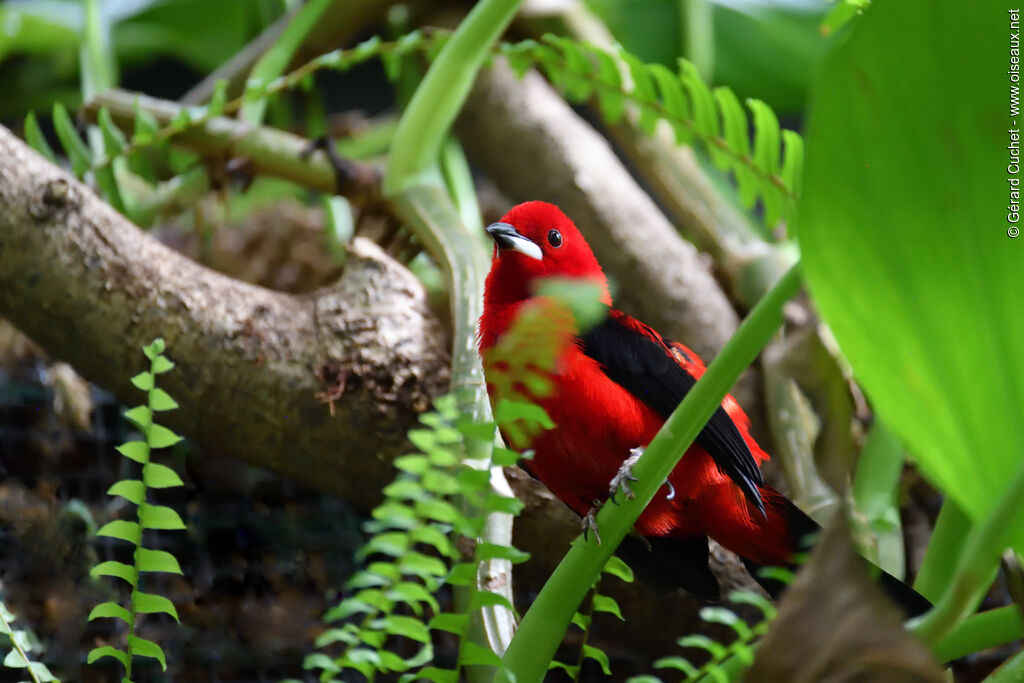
[
  {"x": 135, "y": 450},
  {"x": 107, "y": 651},
  {"x": 159, "y": 436},
  {"x": 110, "y": 610},
  {"x": 77, "y": 151},
  {"x": 160, "y": 517},
  {"x": 157, "y": 561},
  {"x": 599, "y": 656},
  {"x": 157, "y": 476},
  {"x": 471, "y": 654},
  {"x": 604, "y": 603},
  {"x": 121, "y": 529},
  {"x": 117, "y": 569},
  {"x": 150, "y": 603},
  {"x": 35, "y": 138},
  {"x": 140, "y": 647},
  {"x": 142, "y": 416},
  {"x": 131, "y": 490}
]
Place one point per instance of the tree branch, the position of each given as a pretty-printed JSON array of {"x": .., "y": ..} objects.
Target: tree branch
[{"x": 91, "y": 288}]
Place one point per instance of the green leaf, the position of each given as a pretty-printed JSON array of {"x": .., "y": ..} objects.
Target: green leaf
[
  {"x": 162, "y": 364},
  {"x": 928, "y": 315},
  {"x": 437, "y": 510},
  {"x": 219, "y": 98},
  {"x": 14, "y": 660},
  {"x": 407, "y": 627},
  {"x": 157, "y": 346},
  {"x": 142, "y": 416},
  {"x": 118, "y": 569},
  {"x": 150, "y": 603},
  {"x": 119, "y": 528},
  {"x": 582, "y": 621},
  {"x": 160, "y": 517},
  {"x": 462, "y": 574},
  {"x": 412, "y": 593},
  {"x": 434, "y": 537},
  {"x": 107, "y": 651},
  {"x": 76, "y": 149},
  {"x": 675, "y": 102},
  {"x": 418, "y": 564},
  {"x": 598, "y": 655},
  {"x": 157, "y": 561},
  {"x": 617, "y": 567},
  {"x": 491, "y": 551},
  {"x": 318, "y": 660},
  {"x": 159, "y": 476},
  {"x": 725, "y": 616},
  {"x": 114, "y": 141},
  {"x": 604, "y": 603},
  {"x": 161, "y": 400},
  {"x": 135, "y": 450},
  {"x": 677, "y": 663},
  {"x": 42, "y": 674},
  {"x": 452, "y": 623},
  {"x": 432, "y": 673},
  {"x": 471, "y": 654},
  {"x": 413, "y": 464},
  {"x": 111, "y": 610},
  {"x": 755, "y": 600},
  {"x": 717, "y": 650},
  {"x": 159, "y": 436},
  {"x": 512, "y": 411},
  {"x": 480, "y": 599},
  {"x": 131, "y": 490},
  {"x": 35, "y": 138},
  {"x": 140, "y": 647},
  {"x": 394, "y": 544}
]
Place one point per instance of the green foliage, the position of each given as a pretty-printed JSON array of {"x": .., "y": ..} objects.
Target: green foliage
[
  {"x": 411, "y": 555},
  {"x": 768, "y": 170},
  {"x": 21, "y": 643},
  {"x": 767, "y": 167},
  {"x": 148, "y": 516},
  {"x": 919, "y": 295},
  {"x": 584, "y": 618}
]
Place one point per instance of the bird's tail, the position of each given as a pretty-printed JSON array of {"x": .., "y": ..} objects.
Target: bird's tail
[{"x": 787, "y": 525}]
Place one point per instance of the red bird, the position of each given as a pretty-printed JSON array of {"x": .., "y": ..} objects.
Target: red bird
[{"x": 613, "y": 388}]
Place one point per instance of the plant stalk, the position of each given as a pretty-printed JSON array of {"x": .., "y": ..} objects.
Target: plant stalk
[{"x": 545, "y": 623}]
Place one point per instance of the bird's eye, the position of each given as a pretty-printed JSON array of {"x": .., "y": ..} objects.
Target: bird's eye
[{"x": 554, "y": 238}]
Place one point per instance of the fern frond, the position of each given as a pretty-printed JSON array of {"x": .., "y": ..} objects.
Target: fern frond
[
  {"x": 148, "y": 516},
  {"x": 22, "y": 645},
  {"x": 763, "y": 167},
  {"x": 411, "y": 556}
]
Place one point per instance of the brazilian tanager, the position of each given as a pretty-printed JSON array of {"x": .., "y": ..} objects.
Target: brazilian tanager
[{"x": 612, "y": 388}]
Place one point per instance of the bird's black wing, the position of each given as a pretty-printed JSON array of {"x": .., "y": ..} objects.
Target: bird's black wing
[{"x": 640, "y": 360}]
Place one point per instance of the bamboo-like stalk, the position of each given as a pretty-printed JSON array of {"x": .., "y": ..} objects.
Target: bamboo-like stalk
[
  {"x": 977, "y": 565},
  {"x": 545, "y": 623}
]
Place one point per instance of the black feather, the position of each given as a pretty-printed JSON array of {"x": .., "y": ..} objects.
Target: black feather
[{"x": 646, "y": 368}]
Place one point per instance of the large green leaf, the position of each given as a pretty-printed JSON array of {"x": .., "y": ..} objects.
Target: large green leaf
[{"x": 903, "y": 228}]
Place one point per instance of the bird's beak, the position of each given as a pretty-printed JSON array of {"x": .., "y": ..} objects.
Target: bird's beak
[{"x": 507, "y": 237}]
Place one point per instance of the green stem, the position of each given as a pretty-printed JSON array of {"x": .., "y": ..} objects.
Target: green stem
[
  {"x": 977, "y": 566},
  {"x": 275, "y": 60},
  {"x": 944, "y": 549},
  {"x": 17, "y": 646},
  {"x": 980, "y": 632},
  {"x": 444, "y": 89},
  {"x": 545, "y": 623},
  {"x": 1011, "y": 671}
]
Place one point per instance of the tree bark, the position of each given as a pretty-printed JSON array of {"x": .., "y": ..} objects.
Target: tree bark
[{"x": 91, "y": 288}]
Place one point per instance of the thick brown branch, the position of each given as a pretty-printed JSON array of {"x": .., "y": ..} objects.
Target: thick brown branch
[{"x": 91, "y": 288}]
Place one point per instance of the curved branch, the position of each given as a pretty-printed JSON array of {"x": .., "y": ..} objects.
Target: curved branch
[{"x": 91, "y": 288}]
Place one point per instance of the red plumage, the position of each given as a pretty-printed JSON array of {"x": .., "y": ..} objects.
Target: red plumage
[{"x": 613, "y": 387}]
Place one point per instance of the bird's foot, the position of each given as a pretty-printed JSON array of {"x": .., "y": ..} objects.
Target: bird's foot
[
  {"x": 624, "y": 476},
  {"x": 589, "y": 521},
  {"x": 350, "y": 177}
]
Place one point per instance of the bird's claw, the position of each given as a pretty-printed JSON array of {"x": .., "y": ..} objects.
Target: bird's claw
[
  {"x": 624, "y": 476},
  {"x": 589, "y": 522}
]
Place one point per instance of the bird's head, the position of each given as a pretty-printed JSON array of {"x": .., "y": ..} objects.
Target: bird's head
[{"x": 533, "y": 241}]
